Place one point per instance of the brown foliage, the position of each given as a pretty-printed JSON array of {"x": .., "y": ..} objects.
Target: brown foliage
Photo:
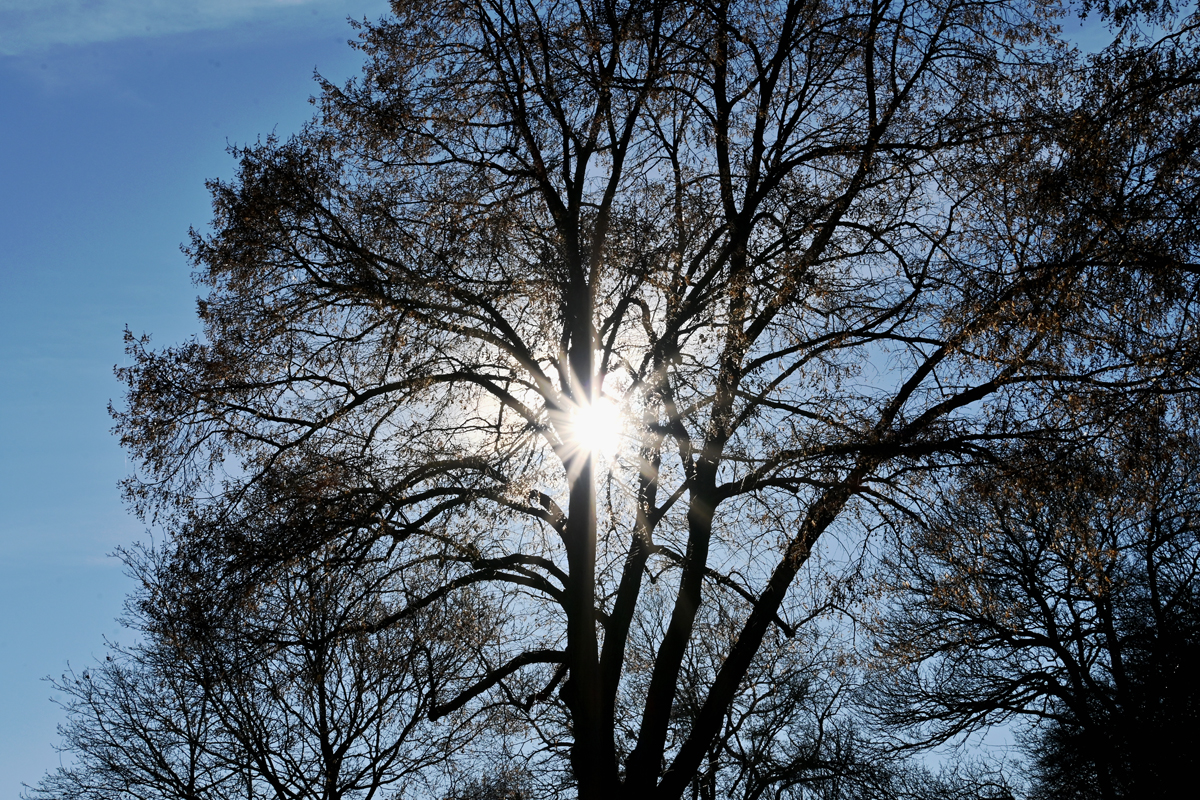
[{"x": 815, "y": 251}]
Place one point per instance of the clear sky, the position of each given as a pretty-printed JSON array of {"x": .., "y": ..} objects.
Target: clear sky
[{"x": 112, "y": 115}]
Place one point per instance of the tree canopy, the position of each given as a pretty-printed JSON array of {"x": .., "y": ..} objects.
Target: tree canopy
[
  {"x": 1061, "y": 588},
  {"x": 628, "y": 322}
]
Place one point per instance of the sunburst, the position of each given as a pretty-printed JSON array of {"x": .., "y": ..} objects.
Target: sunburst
[{"x": 596, "y": 427}]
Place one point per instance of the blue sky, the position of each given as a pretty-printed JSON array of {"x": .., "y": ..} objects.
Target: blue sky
[{"x": 112, "y": 115}]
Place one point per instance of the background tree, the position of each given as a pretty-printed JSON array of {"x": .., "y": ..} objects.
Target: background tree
[
  {"x": 281, "y": 697},
  {"x": 1061, "y": 589},
  {"x": 808, "y": 253},
  {"x": 135, "y": 730}
]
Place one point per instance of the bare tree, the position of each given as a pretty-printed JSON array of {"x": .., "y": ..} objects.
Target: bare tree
[
  {"x": 806, "y": 253},
  {"x": 282, "y": 695},
  {"x": 135, "y": 730},
  {"x": 1061, "y": 589}
]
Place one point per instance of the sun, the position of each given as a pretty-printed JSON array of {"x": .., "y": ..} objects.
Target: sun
[{"x": 596, "y": 427}]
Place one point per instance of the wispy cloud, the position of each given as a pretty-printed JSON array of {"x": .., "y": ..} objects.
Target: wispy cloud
[{"x": 28, "y": 25}]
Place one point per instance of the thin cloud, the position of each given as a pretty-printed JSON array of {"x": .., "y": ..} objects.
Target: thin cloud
[{"x": 30, "y": 25}]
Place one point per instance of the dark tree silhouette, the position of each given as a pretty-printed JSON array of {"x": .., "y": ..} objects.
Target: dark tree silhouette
[
  {"x": 810, "y": 253},
  {"x": 285, "y": 697},
  {"x": 135, "y": 729},
  {"x": 1062, "y": 589}
]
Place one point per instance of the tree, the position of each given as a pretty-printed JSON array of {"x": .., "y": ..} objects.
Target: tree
[
  {"x": 1061, "y": 589},
  {"x": 282, "y": 698},
  {"x": 808, "y": 253},
  {"x": 134, "y": 730}
]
